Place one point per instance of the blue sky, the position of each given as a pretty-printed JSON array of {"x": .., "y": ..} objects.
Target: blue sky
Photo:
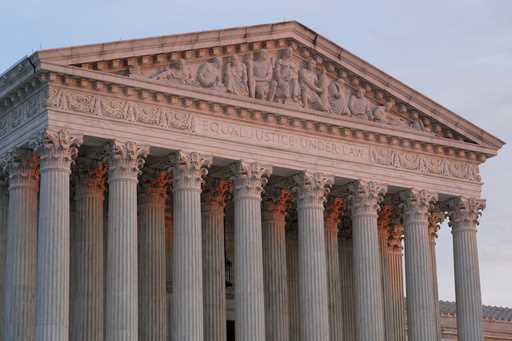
[{"x": 457, "y": 52}]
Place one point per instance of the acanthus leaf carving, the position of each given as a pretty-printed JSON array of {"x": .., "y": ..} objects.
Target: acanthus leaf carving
[
  {"x": 312, "y": 188},
  {"x": 275, "y": 203},
  {"x": 22, "y": 167},
  {"x": 465, "y": 211},
  {"x": 333, "y": 212},
  {"x": 125, "y": 159},
  {"x": 417, "y": 204},
  {"x": 250, "y": 178},
  {"x": 215, "y": 193},
  {"x": 366, "y": 196},
  {"x": 57, "y": 148},
  {"x": 189, "y": 170},
  {"x": 89, "y": 177},
  {"x": 154, "y": 185}
]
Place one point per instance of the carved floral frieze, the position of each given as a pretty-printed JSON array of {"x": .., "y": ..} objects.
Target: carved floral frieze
[{"x": 23, "y": 112}]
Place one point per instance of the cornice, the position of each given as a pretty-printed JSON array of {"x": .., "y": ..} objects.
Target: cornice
[{"x": 249, "y": 109}]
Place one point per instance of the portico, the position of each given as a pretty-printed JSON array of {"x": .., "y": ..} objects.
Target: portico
[{"x": 335, "y": 172}]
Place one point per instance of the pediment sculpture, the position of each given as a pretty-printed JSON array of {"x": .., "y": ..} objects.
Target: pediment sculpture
[{"x": 282, "y": 76}]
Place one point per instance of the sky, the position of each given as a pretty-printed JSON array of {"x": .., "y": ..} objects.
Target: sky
[{"x": 458, "y": 53}]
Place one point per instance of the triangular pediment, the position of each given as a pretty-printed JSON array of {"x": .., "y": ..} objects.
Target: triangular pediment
[{"x": 283, "y": 63}]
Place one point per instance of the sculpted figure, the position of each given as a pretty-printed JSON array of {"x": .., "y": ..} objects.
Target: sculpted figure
[
  {"x": 285, "y": 87},
  {"x": 359, "y": 105},
  {"x": 383, "y": 114},
  {"x": 338, "y": 98},
  {"x": 236, "y": 77},
  {"x": 260, "y": 75},
  {"x": 178, "y": 72},
  {"x": 209, "y": 74},
  {"x": 417, "y": 123},
  {"x": 311, "y": 87}
]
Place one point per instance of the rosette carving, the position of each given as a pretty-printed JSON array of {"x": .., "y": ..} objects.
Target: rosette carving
[
  {"x": 189, "y": 169},
  {"x": 366, "y": 196},
  {"x": 57, "y": 149},
  {"x": 275, "y": 203},
  {"x": 126, "y": 159},
  {"x": 465, "y": 211},
  {"x": 250, "y": 178},
  {"x": 312, "y": 188},
  {"x": 333, "y": 212},
  {"x": 215, "y": 193},
  {"x": 418, "y": 204}
]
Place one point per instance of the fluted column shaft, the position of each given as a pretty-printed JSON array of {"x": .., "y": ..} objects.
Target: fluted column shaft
[
  {"x": 4, "y": 209},
  {"x": 369, "y": 311},
  {"x": 313, "y": 294},
  {"x": 88, "y": 299},
  {"x": 249, "y": 180},
  {"x": 187, "y": 297},
  {"x": 52, "y": 318},
  {"x": 435, "y": 220},
  {"x": 214, "y": 272},
  {"x": 21, "y": 270},
  {"x": 292, "y": 267},
  {"x": 332, "y": 219},
  {"x": 464, "y": 217},
  {"x": 394, "y": 294},
  {"x": 153, "y": 296},
  {"x": 274, "y": 265},
  {"x": 121, "y": 315},
  {"x": 418, "y": 267},
  {"x": 347, "y": 285}
]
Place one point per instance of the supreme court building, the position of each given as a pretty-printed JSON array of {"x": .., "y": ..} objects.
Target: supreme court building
[{"x": 248, "y": 184}]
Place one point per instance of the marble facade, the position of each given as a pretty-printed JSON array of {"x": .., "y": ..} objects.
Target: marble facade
[{"x": 120, "y": 161}]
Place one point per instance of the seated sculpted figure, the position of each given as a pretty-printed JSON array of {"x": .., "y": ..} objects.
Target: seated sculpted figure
[
  {"x": 338, "y": 97},
  {"x": 285, "y": 87},
  {"x": 312, "y": 87},
  {"x": 178, "y": 72},
  {"x": 260, "y": 75},
  {"x": 236, "y": 77},
  {"x": 383, "y": 114},
  {"x": 359, "y": 105},
  {"x": 209, "y": 74}
]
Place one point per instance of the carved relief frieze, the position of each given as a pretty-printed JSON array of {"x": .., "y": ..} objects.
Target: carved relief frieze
[
  {"x": 23, "y": 112},
  {"x": 291, "y": 76},
  {"x": 119, "y": 109}
]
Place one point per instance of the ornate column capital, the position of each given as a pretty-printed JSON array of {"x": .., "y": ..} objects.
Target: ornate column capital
[
  {"x": 125, "y": 159},
  {"x": 435, "y": 219},
  {"x": 153, "y": 187},
  {"x": 395, "y": 237},
  {"x": 21, "y": 167},
  {"x": 333, "y": 212},
  {"x": 365, "y": 196},
  {"x": 385, "y": 217},
  {"x": 465, "y": 211},
  {"x": 189, "y": 169},
  {"x": 250, "y": 178},
  {"x": 57, "y": 149},
  {"x": 215, "y": 194},
  {"x": 89, "y": 177},
  {"x": 275, "y": 204},
  {"x": 418, "y": 203},
  {"x": 312, "y": 188}
]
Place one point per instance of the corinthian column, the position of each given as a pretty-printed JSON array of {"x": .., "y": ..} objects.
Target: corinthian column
[
  {"x": 88, "y": 313},
  {"x": 249, "y": 180},
  {"x": 464, "y": 214},
  {"x": 418, "y": 266},
  {"x": 153, "y": 300},
  {"x": 274, "y": 265},
  {"x": 187, "y": 267},
  {"x": 369, "y": 311},
  {"x": 395, "y": 302},
  {"x": 332, "y": 219},
  {"x": 347, "y": 283},
  {"x": 20, "y": 271},
  {"x": 214, "y": 272},
  {"x": 434, "y": 221},
  {"x": 121, "y": 316},
  {"x": 57, "y": 150},
  {"x": 313, "y": 295},
  {"x": 383, "y": 222},
  {"x": 292, "y": 272},
  {"x": 4, "y": 209}
]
